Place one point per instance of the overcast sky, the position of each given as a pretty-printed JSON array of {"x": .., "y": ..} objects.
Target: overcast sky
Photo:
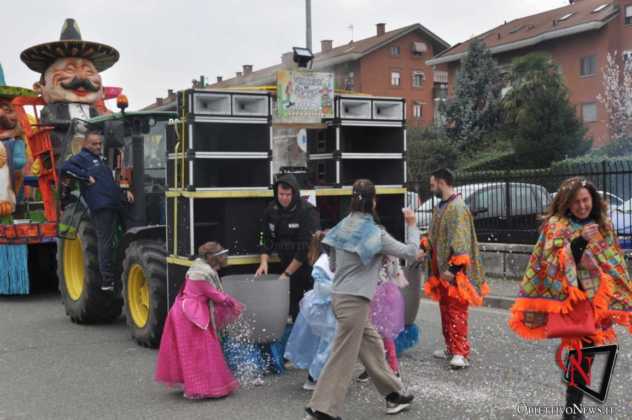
[{"x": 165, "y": 44}]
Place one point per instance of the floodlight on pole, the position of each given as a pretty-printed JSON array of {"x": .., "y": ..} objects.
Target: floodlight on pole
[{"x": 302, "y": 56}]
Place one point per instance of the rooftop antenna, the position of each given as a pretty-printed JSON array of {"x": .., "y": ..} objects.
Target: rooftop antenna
[{"x": 351, "y": 28}]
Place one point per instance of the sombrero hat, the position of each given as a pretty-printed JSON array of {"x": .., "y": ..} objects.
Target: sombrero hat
[
  {"x": 70, "y": 44},
  {"x": 12, "y": 91}
]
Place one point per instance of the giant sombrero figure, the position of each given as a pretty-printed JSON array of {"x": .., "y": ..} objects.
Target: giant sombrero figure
[
  {"x": 13, "y": 157},
  {"x": 70, "y": 81}
]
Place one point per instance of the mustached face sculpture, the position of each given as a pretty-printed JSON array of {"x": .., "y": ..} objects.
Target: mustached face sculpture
[
  {"x": 71, "y": 79},
  {"x": 70, "y": 67}
]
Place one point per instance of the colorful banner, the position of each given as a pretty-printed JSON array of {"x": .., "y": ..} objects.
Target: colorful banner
[{"x": 304, "y": 96}]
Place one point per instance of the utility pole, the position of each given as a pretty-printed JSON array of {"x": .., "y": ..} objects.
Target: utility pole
[{"x": 308, "y": 26}]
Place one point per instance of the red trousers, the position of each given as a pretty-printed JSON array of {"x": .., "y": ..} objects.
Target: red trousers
[
  {"x": 454, "y": 324},
  {"x": 391, "y": 354}
]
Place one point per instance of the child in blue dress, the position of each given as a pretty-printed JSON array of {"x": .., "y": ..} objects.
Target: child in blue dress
[{"x": 310, "y": 342}]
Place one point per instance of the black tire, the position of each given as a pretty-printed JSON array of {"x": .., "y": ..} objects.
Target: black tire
[
  {"x": 145, "y": 319},
  {"x": 83, "y": 298}
]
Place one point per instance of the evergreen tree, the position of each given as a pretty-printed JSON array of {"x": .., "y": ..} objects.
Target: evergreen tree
[
  {"x": 539, "y": 119},
  {"x": 475, "y": 110}
]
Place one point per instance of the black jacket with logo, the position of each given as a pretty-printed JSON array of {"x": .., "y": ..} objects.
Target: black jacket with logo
[{"x": 288, "y": 231}]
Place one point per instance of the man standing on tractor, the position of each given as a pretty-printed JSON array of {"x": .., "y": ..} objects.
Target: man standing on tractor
[
  {"x": 288, "y": 225},
  {"x": 104, "y": 198}
]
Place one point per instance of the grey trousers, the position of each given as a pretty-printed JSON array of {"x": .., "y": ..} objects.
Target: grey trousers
[{"x": 355, "y": 337}]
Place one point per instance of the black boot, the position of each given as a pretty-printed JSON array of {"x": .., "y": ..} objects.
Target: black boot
[
  {"x": 574, "y": 398},
  {"x": 317, "y": 415}
]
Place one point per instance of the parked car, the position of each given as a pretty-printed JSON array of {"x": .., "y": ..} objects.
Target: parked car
[
  {"x": 613, "y": 200},
  {"x": 502, "y": 211},
  {"x": 626, "y": 207},
  {"x": 622, "y": 220}
]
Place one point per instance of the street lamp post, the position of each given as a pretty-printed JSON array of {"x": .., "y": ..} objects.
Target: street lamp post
[{"x": 308, "y": 26}]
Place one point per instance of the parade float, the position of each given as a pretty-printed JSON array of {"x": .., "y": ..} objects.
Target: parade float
[
  {"x": 27, "y": 231},
  {"x": 203, "y": 171},
  {"x": 36, "y": 131},
  {"x": 231, "y": 144}
]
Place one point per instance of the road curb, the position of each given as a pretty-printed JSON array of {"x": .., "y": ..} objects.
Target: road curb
[{"x": 498, "y": 302}]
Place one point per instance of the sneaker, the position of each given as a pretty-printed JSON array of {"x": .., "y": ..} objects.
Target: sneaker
[
  {"x": 364, "y": 377},
  {"x": 310, "y": 384},
  {"x": 317, "y": 415},
  {"x": 442, "y": 354},
  {"x": 258, "y": 381},
  {"x": 396, "y": 402},
  {"x": 459, "y": 362}
]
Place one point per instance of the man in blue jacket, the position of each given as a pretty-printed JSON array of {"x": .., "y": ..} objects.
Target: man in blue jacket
[{"x": 103, "y": 196}]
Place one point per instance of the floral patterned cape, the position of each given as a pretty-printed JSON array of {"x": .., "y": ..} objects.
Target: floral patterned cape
[
  {"x": 551, "y": 283},
  {"x": 452, "y": 241}
]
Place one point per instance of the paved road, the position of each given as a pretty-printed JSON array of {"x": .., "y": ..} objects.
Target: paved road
[{"x": 53, "y": 369}]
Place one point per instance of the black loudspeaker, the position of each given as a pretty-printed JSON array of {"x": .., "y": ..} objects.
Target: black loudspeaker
[
  {"x": 236, "y": 223},
  {"x": 231, "y": 137},
  {"x": 322, "y": 172},
  {"x": 321, "y": 140},
  {"x": 227, "y": 173},
  {"x": 367, "y": 139},
  {"x": 358, "y": 139},
  {"x": 389, "y": 208},
  {"x": 380, "y": 171}
]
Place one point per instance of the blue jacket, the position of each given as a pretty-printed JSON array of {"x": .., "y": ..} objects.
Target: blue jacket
[{"x": 104, "y": 193}]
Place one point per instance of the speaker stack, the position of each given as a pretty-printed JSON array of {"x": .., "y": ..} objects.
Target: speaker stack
[
  {"x": 365, "y": 139},
  {"x": 219, "y": 174},
  {"x": 219, "y": 170}
]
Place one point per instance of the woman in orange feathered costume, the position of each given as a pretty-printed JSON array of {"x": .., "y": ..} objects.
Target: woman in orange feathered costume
[{"x": 577, "y": 259}]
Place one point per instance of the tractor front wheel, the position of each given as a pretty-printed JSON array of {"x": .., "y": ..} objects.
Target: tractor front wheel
[
  {"x": 144, "y": 281},
  {"x": 80, "y": 279}
]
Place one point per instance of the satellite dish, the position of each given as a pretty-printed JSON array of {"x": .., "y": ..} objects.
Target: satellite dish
[{"x": 301, "y": 139}]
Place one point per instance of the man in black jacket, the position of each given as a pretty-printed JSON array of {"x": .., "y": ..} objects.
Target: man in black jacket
[
  {"x": 104, "y": 198},
  {"x": 288, "y": 225}
]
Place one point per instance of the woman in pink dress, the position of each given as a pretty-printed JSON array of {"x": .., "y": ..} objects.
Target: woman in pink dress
[{"x": 190, "y": 352}]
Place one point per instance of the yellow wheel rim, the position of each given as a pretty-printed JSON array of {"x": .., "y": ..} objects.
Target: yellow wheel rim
[
  {"x": 138, "y": 295},
  {"x": 74, "y": 272}
]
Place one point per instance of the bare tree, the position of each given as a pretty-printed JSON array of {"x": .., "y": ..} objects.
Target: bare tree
[{"x": 617, "y": 96}]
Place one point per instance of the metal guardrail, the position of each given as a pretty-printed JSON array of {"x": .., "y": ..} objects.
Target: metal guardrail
[{"x": 507, "y": 205}]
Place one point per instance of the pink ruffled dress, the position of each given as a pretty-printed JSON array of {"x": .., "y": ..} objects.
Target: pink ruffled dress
[
  {"x": 387, "y": 307},
  {"x": 190, "y": 354}
]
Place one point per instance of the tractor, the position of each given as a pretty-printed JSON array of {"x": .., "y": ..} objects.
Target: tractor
[
  {"x": 134, "y": 147},
  {"x": 204, "y": 172}
]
